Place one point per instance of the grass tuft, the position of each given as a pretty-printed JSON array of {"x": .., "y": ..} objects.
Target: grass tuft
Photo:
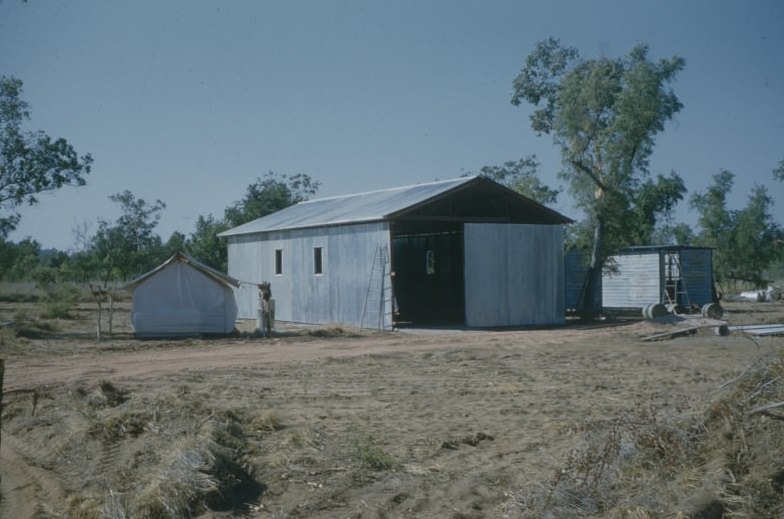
[
  {"x": 371, "y": 455},
  {"x": 266, "y": 421},
  {"x": 176, "y": 490}
]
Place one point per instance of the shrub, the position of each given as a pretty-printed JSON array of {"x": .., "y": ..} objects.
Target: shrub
[
  {"x": 370, "y": 455},
  {"x": 60, "y": 302},
  {"x": 35, "y": 329}
]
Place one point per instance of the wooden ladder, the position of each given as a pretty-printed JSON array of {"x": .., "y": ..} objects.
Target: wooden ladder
[{"x": 374, "y": 314}]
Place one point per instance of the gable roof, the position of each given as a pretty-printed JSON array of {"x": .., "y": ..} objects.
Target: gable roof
[
  {"x": 180, "y": 257},
  {"x": 389, "y": 204}
]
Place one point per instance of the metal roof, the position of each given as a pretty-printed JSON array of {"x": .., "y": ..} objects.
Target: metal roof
[
  {"x": 372, "y": 206},
  {"x": 658, "y": 248}
]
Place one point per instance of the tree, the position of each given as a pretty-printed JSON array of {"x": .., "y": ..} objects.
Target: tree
[
  {"x": 644, "y": 218},
  {"x": 30, "y": 162},
  {"x": 747, "y": 241},
  {"x": 604, "y": 115},
  {"x": 271, "y": 193},
  {"x": 652, "y": 205},
  {"x": 677, "y": 234},
  {"x": 715, "y": 221},
  {"x": 7, "y": 252},
  {"x": 129, "y": 246},
  {"x": 778, "y": 173},
  {"x": 176, "y": 243},
  {"x": 204, "y": 244},
  {"x": 18, "y": 260},
  {"x": 522, "y": 176},
  {"x": 758, "y": 238}
]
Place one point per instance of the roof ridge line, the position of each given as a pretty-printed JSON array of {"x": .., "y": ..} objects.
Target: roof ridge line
[{"x": 386, "y": 189}]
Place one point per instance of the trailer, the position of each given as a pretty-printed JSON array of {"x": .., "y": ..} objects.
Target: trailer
[{"x": 651, "y": 278}]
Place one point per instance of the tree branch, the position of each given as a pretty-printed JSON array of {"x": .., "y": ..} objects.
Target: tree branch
[{"x": 588, "y": 171}]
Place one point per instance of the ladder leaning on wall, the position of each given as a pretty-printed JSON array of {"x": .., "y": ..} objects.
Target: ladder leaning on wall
[
  {"x": 675, "y": 290},
  {"x": 375, "y": 310}
]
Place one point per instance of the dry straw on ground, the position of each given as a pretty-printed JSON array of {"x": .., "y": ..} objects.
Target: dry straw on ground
[
  {"x": 572, "y": 422},
  {"x": 720, "y": 460}
]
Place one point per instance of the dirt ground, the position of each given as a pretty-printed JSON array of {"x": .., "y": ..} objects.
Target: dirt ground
[{"x": 334, "y": 422}]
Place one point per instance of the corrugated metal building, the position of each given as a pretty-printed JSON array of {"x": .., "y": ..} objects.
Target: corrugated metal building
[
  {"x": 467, "y": 251},
  {"x": 670, "y": 275},
  {"x": 577, "y": 269}
]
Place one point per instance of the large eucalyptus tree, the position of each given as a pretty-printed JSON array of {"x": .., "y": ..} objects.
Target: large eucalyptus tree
[{"x": 604, "y": 114}]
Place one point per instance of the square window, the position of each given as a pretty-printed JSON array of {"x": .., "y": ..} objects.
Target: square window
[
  {"x": 430, "y": 262},
  {"x": 278, "y": 262},
  {"x": 318, "y": 263}
]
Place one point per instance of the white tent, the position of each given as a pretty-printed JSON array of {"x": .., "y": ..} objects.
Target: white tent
[{"x": 183, "y": 297}]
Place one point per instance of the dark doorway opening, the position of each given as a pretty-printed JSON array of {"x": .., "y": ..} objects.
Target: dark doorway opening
[{"x": 427, "y": 261}]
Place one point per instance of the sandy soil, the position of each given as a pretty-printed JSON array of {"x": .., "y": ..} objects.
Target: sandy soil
[{"x": 329, "y": 422}]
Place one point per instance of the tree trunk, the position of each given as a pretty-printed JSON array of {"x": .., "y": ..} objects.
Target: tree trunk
[
  {"x": 111, "y": 313},
  {"x": 594, "y": 272},
  {"x": 98, "y": 324}
]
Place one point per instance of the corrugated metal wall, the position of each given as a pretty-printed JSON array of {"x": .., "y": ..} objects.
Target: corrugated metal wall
[
  {"x": 335, "y": 296},
  {"x": 636, "y": 282},
  {"x": 576, "y": 271},
  {"x": 640, "y": 278},
  {"x": 514, "y": 275},
  {"x": 697, "y": 269},
  {"x": 244, "y": 259}
]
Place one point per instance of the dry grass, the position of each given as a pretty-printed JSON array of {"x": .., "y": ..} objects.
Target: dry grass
[
  {"x": 678, "y": 461},
  {"x": 146, "y": 458},
  {"x": 266, "y": 421},
  {"x": 34, "y": 329},
  {"x": 20, "y": 292},
  {"x": 509, "y": 424},
  {"x": 184, "y": 480},
  {"x": 331, "y": 331}
]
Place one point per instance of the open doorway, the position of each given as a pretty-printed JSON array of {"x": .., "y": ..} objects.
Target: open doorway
[{"x": 427, "y": 261}]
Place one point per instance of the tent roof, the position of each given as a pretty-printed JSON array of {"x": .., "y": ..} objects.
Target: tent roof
[
  {"x": 179, "y": 257},
  {"x": 407, "y": 202}
]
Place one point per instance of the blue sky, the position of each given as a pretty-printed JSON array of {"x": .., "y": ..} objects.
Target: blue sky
[{"x": 191, "y": 101}]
